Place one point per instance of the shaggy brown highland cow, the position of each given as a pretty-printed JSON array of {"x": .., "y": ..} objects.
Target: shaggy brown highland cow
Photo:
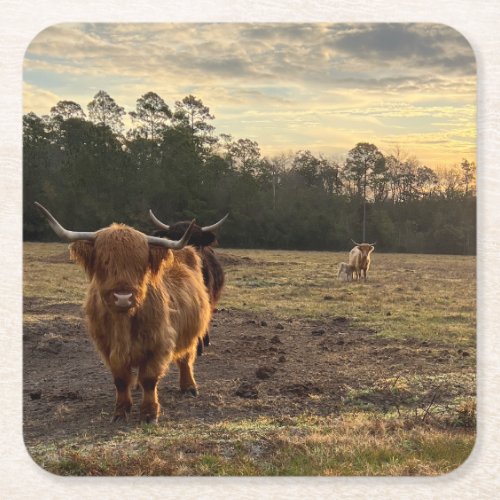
[{"x": 146, "y": 306}]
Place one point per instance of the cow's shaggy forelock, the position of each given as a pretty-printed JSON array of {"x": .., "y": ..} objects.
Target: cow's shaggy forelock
[
  {"x": 120, "y": 260},
  {"x": 121, "y": 255}
]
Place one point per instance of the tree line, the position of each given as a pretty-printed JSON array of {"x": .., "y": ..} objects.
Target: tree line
[{"x": 90, "y": 171}]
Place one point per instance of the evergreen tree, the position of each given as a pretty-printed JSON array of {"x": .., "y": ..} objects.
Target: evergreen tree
[
  {"x": 87, "y": 172},
  {"x": 103, "y": 110}
]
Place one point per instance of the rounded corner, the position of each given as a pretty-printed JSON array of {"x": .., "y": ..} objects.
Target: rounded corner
[
  {"x": 472, "y": 456},
  {"x": 34, "y": 461},
  {"x": 50, "y": 26},
  {"x": 464, "y": 38}
]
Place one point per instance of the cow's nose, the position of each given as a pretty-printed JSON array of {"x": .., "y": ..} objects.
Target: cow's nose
[{"x": 123, "y": 299}]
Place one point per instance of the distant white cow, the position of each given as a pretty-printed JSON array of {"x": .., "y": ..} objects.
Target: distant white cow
[
  {"x": 345, "y": 272},
  {"x": 359, "y": 258}
]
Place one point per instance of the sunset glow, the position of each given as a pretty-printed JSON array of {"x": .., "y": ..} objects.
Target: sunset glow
[{"x": 290, "y": 87}]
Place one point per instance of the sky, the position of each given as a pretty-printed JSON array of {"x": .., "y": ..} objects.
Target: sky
[{"x": 289, "y": 87}]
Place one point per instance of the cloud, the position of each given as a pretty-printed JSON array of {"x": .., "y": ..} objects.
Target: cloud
[
  {"x": 373, "y": 56},
  {"x": 413, "y": 45},
  {"x": 320, "y": 84},
  {"x": 38, "y": 100}
]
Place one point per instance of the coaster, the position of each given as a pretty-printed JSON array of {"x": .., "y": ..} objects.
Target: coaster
[{"x": 272, "y": 235}]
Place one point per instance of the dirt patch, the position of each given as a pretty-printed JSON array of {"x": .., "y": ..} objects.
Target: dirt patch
[
  {"x": 59, "y": 258},
  {"x": 227, "y": 259},
  {"x": 37, "y": 305},
  {"x": 230, "y": 260},
  {"x": 251, "y": 369}
]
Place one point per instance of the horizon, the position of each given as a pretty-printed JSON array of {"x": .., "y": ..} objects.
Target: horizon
[{"x": 319, "y": 87}]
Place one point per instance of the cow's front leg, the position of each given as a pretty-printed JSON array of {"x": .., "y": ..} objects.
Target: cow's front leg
[
  {"x": 187, "y": 382},
  {"x": 123, "y": 381},
  {"x": 149, "y": 376}
]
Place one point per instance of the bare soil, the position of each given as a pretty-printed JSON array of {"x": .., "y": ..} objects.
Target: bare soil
[{"x": 257, "y": 365}]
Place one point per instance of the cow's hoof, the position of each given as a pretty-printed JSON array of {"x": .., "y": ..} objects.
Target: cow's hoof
[
  {"x": 120, "y": 416},
  {"x": 149, "y": 414},
  {"x": 190, "y": 391},
  {"x": 149, "y": 419}
]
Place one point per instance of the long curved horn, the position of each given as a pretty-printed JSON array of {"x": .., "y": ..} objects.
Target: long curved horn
[
  {"x": 64, "y": 234},
  {"x": 215, "y": 226},
  {"x": 173, "y": 244},
  {"x": 355, "y": 242},
  {"x": 157, "y": 222},
  {"x": 372, "y": 244}
]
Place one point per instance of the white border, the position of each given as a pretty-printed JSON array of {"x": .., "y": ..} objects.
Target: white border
[{"x": 477, "y": 20}]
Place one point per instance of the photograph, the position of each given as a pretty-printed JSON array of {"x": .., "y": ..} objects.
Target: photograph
[{"x": 249, "y": 249}]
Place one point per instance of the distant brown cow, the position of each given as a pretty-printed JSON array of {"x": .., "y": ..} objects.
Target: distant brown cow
[
  {"x": 146, "y": 306},
  {"x": 359, "y": 258},
  {"x": 202, "y": 238}
]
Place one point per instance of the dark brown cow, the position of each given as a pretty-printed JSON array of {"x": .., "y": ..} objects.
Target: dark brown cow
[
  {"x": 359, "y": 258},
  {"x": 203, "y": 239},
  {"x": 146, "y": 306}
]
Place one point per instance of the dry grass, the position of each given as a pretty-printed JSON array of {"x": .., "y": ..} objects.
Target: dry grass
[
  {"x": 406, "y": 296},
  {"x": 353, "y": 444},
  {"x": 50, "y": 275},
  {"x": 420, "y": 297}
]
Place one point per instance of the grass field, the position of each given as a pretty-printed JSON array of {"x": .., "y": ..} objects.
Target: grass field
[
  {"x": 374, "y": 378},
  {"x": 407, "y": 295}
]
